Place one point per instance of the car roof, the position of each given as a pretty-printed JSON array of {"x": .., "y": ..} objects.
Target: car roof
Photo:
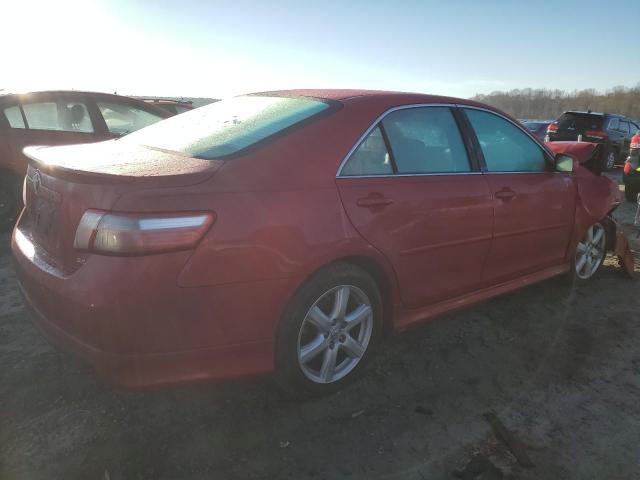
[
  {"x": 599, "y": 114},
  {"x": 391, "y": 97}
]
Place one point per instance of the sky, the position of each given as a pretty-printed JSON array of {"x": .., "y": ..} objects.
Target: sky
[{"x": 216, "y": 49}]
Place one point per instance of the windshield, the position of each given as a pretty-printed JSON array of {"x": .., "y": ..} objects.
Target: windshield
[{"x": 227, "y": 126}]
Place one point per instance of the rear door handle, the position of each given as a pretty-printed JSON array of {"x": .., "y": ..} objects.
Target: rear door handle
[
  {"x": 505, "y": 194},
  {"x": 374, "y": 201}
]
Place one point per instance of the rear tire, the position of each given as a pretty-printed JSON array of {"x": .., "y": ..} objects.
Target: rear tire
[
  {"x": 329, "y": 331},
  {"x": 10, "y": 202}
]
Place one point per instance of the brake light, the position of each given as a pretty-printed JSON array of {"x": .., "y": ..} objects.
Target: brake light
[
  {"x": 627, "y": 167},
  {"x": 635, "y": 141},
  {"x": 140, "y": 234},
  {"x": 595, "y": 134},
  {"x": 553, "y": 128}
]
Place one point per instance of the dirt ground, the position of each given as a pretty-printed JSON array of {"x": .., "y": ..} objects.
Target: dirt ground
[{"x": 559, "y": 366}]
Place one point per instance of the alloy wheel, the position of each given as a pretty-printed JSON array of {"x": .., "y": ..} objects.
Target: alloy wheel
[
  {"x": 335, "y": 334},
  {"x": 590, "y": 252}
]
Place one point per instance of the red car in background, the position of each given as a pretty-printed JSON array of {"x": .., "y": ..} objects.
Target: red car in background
[
  {"x": 59, "y": 118},
  {"x": 282, "y": 231}
]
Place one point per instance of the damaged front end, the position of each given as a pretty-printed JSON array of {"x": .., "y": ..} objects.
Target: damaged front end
[{"x": 598, "y": 197}]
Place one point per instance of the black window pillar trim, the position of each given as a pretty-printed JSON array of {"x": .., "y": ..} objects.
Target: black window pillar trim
[
  {"x": 471, "y": 140},
  {"x": 387, "y": 142},
  {"x": 471, "y": 144}
]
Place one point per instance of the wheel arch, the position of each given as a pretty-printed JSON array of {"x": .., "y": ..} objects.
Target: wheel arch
[{"x": 381, "y": 273}]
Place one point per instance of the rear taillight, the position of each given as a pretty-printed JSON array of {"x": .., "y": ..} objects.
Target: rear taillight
[
  {"x": 627, "y": 167},
  {"x": 140, "y": 234},
  {"x": 553, "y": 128},
  {"x": 598, "y": 134},
  {"x": 635, "y": 141}
]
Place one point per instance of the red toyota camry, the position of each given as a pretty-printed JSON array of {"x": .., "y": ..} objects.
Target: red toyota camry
[{"x": 282, "y": 231}]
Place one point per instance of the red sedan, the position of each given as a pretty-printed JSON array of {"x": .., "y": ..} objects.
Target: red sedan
[{"x": 282, "y": 231}]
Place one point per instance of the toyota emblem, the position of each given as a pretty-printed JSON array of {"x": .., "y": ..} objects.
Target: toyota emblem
[{"x": 36, "y": 181}]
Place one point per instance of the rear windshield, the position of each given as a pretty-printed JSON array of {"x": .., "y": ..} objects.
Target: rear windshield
[
  {"x": 227, "y": 126},
  {"x": 580, "y": 122}
]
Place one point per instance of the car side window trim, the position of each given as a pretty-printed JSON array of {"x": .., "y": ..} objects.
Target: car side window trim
[
  {"x": 473, "y": 163},
  {"x": 483, "y": 165}
]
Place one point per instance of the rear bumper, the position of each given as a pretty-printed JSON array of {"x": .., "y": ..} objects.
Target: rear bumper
[
  {"x": 138, "y": 328},
  {"x": 139, "y": 371}
]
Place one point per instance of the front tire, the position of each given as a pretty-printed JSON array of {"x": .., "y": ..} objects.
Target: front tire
[
  {"x": 329, "y": 331},
  {"x": 590, "y": 252}
]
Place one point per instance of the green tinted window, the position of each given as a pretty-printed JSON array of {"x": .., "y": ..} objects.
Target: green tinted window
[
  {"x": 370, "y": 158},
  {"x": 227, "y": 126},
  {"x": 426, "y": 140},
  {"x": 505, "y": 147}
]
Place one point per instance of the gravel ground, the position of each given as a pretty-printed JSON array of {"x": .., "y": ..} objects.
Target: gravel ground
[{"x": 559, "y": 366}]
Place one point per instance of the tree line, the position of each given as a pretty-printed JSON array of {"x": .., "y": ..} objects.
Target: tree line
[{"x": 549, "y": 104}]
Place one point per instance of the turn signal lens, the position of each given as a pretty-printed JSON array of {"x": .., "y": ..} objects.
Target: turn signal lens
[
  {"x": 553, "y": 128},
  {"x": 140, "y": 234}
]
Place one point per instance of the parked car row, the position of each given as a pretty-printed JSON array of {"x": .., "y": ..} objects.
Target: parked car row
[
  {"x": 613, "y": 132},
  {"x": 60, "y": 118},
  {"x": 286, "y": 231}
]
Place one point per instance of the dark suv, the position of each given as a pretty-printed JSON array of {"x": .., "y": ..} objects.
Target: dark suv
[
  {"x": 614, "y": 132},
  {"x": 59, "y": 118}
]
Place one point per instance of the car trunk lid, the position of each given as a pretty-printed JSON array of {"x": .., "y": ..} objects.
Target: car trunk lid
[{"x": 63, "y": 182}]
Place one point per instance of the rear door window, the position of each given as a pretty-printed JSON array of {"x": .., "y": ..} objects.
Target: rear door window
[
  {"x": 370, "y": 158},
  {"x": 122, "y": 119},
  {"x": 14, "y": 117},
  {"x": 426, "y": 140},
  {"x": 505, "y": 147},
  {"x": 59, "y": 115},
  {"x": 623, "y": 127}
]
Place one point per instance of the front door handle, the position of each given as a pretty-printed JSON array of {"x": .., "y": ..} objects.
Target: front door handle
[
  {"x": 374, "y": 201},
  {"x": 505, "y": 194}
]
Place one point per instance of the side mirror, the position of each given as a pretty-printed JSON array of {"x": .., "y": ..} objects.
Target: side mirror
[{"x": 563, "y": 163}]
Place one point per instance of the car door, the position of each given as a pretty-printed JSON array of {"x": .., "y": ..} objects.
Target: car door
[
  {"x": 410, "y": 189},
  {"x": 533, "y": 206},
  {"x": 51, "y": 120}
]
